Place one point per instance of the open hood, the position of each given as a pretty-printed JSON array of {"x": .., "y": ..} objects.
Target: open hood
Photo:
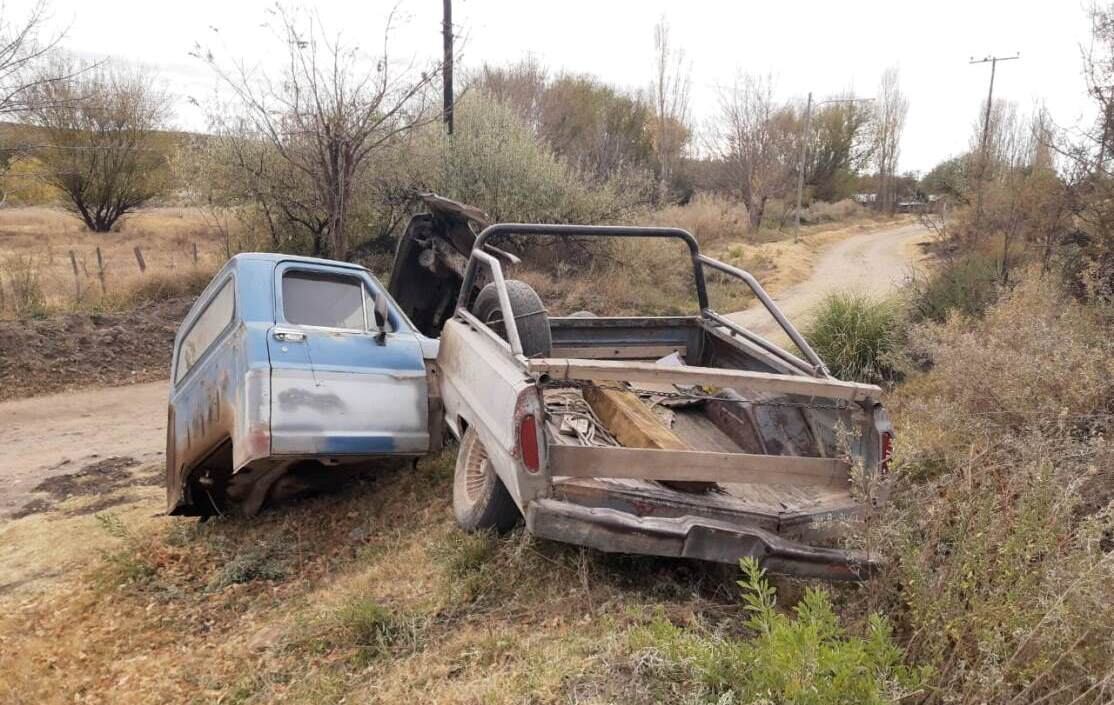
[{"x": 431, "y": 257}]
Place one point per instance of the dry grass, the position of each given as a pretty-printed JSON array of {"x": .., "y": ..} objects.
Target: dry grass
[
  {"x": 1001, "y": 523},
  {"x": 370, "y": 595},
  {"x": 37, "y": 241}
]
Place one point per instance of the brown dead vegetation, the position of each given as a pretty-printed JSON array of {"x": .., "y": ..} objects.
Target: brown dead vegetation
[
  {"x": 37, "y": 275},
  {"x": 371, "y": 595}
]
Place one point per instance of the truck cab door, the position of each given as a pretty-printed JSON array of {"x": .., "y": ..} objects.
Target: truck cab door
[{"x": 342, "y": 382}]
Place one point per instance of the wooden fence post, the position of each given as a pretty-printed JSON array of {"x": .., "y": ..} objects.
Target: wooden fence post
[
  {"x": 100, "y": 270},
  {"x": 76, "y": 279},
  {"x": 139, "y": 259}
]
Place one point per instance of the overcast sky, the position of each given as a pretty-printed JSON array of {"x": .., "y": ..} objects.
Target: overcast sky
[{"x": 823, "y": 46}]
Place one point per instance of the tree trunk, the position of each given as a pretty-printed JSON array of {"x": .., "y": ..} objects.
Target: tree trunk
[{"x": 755, "y": 212}]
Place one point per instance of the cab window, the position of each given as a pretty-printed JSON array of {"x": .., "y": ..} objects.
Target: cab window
[
  {"x": 323, "y": 300},
  {"x": 206, "y": 329}
]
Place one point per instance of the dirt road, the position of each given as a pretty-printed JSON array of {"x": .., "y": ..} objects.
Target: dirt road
[
  {"x": 54, "y": 435},
  {"x": 59, "y": 434},
  {"x": 872, "y": 263}
]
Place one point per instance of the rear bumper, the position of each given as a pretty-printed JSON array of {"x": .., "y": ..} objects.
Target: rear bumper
[{"x": 614, "y": 531}]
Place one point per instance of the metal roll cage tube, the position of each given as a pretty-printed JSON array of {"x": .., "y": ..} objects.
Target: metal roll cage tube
[{"x": 699, "y": 261}]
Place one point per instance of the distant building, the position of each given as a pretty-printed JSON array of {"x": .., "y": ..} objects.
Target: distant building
[{"x": 912, "y": 206}]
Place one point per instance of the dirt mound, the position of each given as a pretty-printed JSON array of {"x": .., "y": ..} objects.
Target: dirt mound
[{"x": 88, "y": 349}]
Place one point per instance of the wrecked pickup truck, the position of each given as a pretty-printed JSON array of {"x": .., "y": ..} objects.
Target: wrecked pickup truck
[{"x": 686, "y": 436}]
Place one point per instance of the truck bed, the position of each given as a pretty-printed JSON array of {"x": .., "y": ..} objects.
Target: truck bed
[
  {"x": 788, "y": 510},
  {"x": 806, "y": 429}
]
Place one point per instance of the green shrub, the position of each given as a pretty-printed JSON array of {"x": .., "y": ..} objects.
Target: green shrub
[
  {"x": 856, "y": 336},
  {"x": 967, "y": 284},
  {"x": 495, "y": 161},
  {"x": 803, "y": 658}
]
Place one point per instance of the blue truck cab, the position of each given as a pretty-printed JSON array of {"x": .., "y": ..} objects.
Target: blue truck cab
[{"x": 286, "y": 361}]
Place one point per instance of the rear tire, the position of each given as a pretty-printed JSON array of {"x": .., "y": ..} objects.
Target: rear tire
[
  {"x": 480, "y": 500},
  {"x": 529, "y": 314}
]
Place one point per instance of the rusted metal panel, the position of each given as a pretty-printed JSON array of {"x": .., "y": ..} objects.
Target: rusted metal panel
[{"x": 692, "y": 537}]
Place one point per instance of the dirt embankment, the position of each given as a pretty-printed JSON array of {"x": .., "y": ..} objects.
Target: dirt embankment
[{"x": 81, "y": 350}]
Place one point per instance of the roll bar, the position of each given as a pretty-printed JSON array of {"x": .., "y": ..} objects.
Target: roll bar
[{"x": 699, "y": 262}]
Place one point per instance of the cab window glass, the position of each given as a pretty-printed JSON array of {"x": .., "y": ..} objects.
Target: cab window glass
[
  {"x": 325, "y": 300},
  {"x": 206, "y": 329}
]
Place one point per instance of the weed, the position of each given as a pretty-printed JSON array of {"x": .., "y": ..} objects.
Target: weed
[
  {"x": 803, "y": 657},
  {"x": 467, "y": 561},
  {"x": 128, "y": 565},
  {"x": 464, "y": 554},
  {"x": 373, "y": 630},
  {"x": 26, "y": 297},
  {"x": 258, "y": 563}
]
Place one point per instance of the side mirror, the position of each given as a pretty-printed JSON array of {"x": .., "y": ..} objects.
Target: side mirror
[{"x": 381, "y": 318}]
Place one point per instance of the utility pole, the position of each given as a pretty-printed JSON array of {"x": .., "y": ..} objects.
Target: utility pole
[
  {"x": 447, "y": 64},
  {"x": 993, "y": 61},
  {"x": 801, "y": 167},
  {"x": 804, "y": 149}
]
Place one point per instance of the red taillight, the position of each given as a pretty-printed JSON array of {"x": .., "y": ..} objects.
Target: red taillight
[
  {"x": 528, "y": 443},
  {"x": 887, "y": 449}
]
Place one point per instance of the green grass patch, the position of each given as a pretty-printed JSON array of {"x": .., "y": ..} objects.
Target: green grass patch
[{"x": 857, "y": 337}]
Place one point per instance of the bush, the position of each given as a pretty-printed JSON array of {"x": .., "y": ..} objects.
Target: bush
[
  {"x": 1001, "y": 527},
  {"x": 857, "y": 337},
  {"x": 825, "y": 212},
  {"x": 710, "y": 218},
  {"x": 967, "y": 284},
  {"x": 495, "y": 161},
  {"x": 804, "y": 658},
  {"x": 1037, "y": 363}
]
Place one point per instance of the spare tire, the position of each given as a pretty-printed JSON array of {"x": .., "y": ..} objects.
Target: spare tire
[{"x": 529, "y": 314}]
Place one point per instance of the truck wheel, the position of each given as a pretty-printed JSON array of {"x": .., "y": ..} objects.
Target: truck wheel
[
  {"x": 529, "y": 314},
  {"x": 480, "y": 501}
]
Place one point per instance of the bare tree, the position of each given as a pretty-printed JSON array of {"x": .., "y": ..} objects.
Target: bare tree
[
  {"x": 669, "y": 94},
  {"x": 324, "y": 117},
  {"x": 756, "y": 139},
  {"x": 521, "y": 85},
  {"x": 891, "y": 108},
  {"x": 23, "y": 50},
  {"x": 99, "y": 130}
]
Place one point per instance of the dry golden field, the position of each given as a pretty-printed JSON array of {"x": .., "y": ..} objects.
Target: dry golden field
[{"x": 35, "y": 254}]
